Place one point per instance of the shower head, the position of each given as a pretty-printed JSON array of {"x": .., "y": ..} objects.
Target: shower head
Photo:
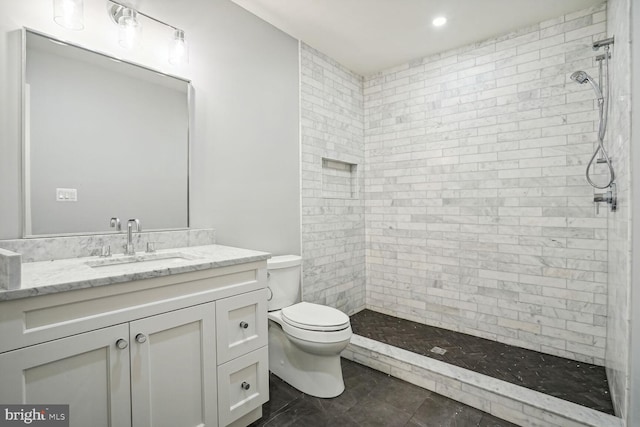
[{"x": 582, "y": 77}]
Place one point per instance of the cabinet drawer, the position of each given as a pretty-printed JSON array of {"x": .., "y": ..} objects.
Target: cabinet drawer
[
  {"x": 241, "y": 324},
  {"x": 243, "y": 385}
]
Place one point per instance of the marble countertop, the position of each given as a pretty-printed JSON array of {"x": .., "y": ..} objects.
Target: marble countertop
[{"x": 48, "y": 277}]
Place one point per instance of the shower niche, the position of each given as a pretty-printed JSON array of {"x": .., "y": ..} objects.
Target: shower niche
[{"x": 339, "y": 179}]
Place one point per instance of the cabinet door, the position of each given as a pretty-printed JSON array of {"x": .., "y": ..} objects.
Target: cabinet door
[
  {"x": 242, "y": 324},
  {"x": 86, "y": 371},
  {"x": 173, "y": 369}
]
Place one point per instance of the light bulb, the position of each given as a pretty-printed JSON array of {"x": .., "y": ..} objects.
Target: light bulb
[
  {"x": 178, "y": 49},
  {"x": 129, "y": 29},
  {"x": 439, "y": 21},
  {"x": 68, "y": 14}
]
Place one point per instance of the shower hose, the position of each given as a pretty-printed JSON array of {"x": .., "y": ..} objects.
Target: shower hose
[{"x": 603, "y": 107}]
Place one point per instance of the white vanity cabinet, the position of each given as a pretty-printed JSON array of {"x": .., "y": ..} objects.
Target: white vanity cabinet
[
  {"x": 86, "y": 371},
  {"x": 153, "y": 371},
  {"x": 144, "y": 353}
]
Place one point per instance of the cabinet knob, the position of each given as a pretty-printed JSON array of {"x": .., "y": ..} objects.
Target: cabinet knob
[
  {"x": 141, "y": 338},
  {"x": 245, "y": 385},
  {"x": 244, "y": 325},
  {"x": 122, "y": 344}
]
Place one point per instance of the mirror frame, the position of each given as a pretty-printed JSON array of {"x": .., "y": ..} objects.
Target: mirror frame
[{"x": 26, "y": 202}]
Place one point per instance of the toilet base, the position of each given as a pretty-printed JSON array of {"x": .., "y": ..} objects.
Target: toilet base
[{"x": 318, "y": 375}]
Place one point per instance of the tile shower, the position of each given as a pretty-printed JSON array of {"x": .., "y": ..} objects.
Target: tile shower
[
  {"x": 477, "y": 213},
  {"x": 472, "y": 206}
]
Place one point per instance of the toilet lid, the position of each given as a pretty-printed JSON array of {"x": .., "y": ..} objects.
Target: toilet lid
[{"x": 315, "y": 317}]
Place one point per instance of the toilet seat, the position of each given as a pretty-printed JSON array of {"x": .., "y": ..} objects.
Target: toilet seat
[
  {"x": 319, "y": 337},
  {"x": 315, "y": 317}
]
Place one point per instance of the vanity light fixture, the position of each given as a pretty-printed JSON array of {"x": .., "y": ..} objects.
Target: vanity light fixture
[
  {"x": 178, "y": 49},
  {"x": 69, "y": 14},
  {"x": 130, "y": 31}
]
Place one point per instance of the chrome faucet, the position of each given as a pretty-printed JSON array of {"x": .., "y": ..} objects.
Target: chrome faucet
[
  {"x": 129, "y": 249},
  {"x": 115, "y": 223}
]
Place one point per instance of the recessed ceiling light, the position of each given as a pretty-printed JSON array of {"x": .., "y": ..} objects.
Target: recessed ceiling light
[{"x": 439, "y": 21}]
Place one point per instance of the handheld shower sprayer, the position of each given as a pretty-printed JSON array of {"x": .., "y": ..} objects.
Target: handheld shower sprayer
[{"x": 582, "y": 77}]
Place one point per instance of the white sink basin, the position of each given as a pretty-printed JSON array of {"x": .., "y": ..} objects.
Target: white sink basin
[{"x": 154, "y": 260}]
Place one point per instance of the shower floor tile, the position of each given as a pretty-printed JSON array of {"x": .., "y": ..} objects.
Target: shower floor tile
[{"x": 566, "y": 379}]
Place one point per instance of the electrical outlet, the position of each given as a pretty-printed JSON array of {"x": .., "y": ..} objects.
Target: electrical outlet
[{"x": 66, "y": 194}]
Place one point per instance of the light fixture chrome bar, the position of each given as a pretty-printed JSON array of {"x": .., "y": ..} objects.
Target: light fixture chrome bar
[
  {"x": 116, "y": 10},
  {"x": 600, "y": 43}
]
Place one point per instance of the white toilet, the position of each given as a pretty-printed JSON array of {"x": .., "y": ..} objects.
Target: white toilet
[{"x": 305, "y": 339}]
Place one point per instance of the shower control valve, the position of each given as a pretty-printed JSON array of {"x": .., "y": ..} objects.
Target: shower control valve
[{"x": 609, "y": 197}]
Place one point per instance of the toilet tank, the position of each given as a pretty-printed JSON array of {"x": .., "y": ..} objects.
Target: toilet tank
[{"x": 283, "y": 281}]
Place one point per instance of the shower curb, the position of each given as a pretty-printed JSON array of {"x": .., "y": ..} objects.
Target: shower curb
[{"x": 504, "y": 400}]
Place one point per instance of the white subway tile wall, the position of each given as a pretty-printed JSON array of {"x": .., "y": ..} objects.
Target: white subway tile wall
[
  {"x": 331, "y": 126},
  {"x": 476, "y": 211},
  {"x": 478, "y": 216},
  {"x": 618, "y": 142}
]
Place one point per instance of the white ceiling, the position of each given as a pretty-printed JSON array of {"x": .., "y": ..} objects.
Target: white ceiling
[{"x": 367, "y": 36}]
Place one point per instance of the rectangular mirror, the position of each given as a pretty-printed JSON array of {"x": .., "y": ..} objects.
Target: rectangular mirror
[{"x": 102, "y": 138}]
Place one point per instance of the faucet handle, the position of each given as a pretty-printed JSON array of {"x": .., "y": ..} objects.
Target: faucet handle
[
  {"x": 105, "y": 251},
  {"x": 115, "y": 222}
]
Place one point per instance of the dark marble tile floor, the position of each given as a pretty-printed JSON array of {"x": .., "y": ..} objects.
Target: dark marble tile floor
[
  {"x": 370, "y": 399},
  {"x": 577, "y": 382}
]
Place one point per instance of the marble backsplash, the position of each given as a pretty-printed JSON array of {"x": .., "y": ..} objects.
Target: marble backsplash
[{"x": 51, "y": 248}]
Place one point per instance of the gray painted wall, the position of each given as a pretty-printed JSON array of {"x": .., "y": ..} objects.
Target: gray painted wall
[
  {"x": 251, "y": 192},
  {"x": 245, "y": 162}
]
